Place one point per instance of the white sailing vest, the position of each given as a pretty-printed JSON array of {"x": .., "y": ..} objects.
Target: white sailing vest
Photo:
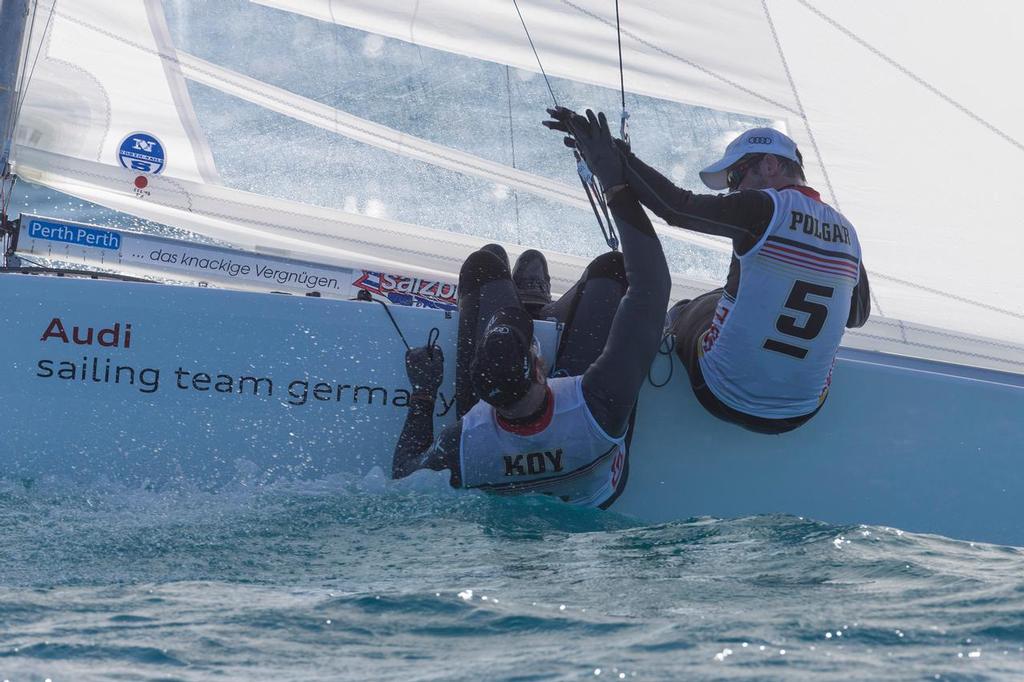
[
  {"x": 570, "y": 456},
  {"x": 770, "y": 351}
]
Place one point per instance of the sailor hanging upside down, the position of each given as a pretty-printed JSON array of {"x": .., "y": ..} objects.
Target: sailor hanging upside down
[{"x": 521, "y": 431}]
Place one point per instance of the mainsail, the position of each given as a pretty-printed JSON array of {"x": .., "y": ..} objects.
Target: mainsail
[{"x": 896, "y": 127}]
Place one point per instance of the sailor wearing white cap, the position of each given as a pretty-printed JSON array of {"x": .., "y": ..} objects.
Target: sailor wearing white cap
[
  {"x": 760, "y": 350},
  {"x": 754, "y": 141}
]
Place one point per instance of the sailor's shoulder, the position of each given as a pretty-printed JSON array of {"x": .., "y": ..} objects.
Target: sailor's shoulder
[
  {"x": 563, "y": 383},
  {"x": 564, "y": 388},
  {"x": 481, "y": 413}
]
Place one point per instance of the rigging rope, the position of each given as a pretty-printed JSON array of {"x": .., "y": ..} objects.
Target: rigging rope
[
  {"x": 12, "y": 114},
  {"x": 432, "y": 336},
  {"x": 623, "y": 131},
  {"x": 596, "y": 198},
  {"x": 667, "y": 348},
  {"x": 26, "y": 72},
  {"x": 537, "y": 56},
  {"x": 590, "y": 186},
  {"x": 8, "y": 179},
  {"x": 364, "y": 295},
  {"x": 6, "y": 193}
]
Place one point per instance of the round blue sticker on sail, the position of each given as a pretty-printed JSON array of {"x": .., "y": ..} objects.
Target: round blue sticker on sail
[{"x": 142, "y": 152}]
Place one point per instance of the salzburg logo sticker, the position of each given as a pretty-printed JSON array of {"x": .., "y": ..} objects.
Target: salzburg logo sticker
[
  {"x": 142, "y": 152},
  {"x": 411, "y": 291}
]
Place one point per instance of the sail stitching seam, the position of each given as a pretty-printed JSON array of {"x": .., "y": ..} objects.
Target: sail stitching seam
[
  {"x": 944, "y": 348},
  {"x": 315, "y": 114},
  {"x": 799, "y": 103},
  {"x": 903, "y": 327},
  {"x": 537, "y": 184},
  {"x": 106, "y": 98},
  {"x": 910, "y": 74},
  {"x": 946, "y": 294},
  {"x": 807, "y": 125},
  {"x": 803, "y": 117},
  {"x": 682, "y": 59}
]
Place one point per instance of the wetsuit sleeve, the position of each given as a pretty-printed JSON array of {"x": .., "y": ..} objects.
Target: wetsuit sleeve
[
  {"x": 613, "y": 382},
  {"x": 415, "y": 451},
  {"x": 741, "y": 216},
  {"x": 860, "y": 301}
]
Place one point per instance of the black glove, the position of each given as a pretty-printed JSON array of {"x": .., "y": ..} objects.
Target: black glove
[
  {"x": 593, "y": 138},
  {"x": 564, "y": 121},
  {"x": 425, "y": 367}
]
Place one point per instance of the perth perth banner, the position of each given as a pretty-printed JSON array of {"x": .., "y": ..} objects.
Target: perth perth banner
[{"x": 206, "y": 264}]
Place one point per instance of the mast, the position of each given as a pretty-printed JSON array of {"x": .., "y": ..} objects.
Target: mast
[{"x": 13, "y": 18}]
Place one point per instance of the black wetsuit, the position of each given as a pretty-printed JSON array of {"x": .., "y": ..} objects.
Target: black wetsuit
[
  {"x": 744, "y": 217},
  {"x": 612, "y": 382}
]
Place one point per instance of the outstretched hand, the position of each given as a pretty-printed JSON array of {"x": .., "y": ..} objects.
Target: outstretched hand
[
  {"x": 425, "y": 367},
  {"x": 566, "y": 121},
  {"x": 593, "y": 138}
]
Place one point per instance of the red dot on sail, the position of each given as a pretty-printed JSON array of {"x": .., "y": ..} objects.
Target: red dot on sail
[{"x": 141, "y": 182}]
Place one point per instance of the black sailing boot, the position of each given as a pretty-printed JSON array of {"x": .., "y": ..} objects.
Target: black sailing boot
[
  {"x": 532, "y": 280},
  {"x": 497, "y": 250}
]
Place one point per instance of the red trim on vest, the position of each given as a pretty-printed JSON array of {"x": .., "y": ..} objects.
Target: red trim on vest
[
  {"x": 531, "y": 428},
  {"x": 806, "y": 191}
]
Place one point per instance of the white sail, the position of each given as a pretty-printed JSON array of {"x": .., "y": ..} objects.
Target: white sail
[
  {"x": 893, "y": 134},
  {"x": 90, "y": 91},
  {"x": 898, "y": 129}
]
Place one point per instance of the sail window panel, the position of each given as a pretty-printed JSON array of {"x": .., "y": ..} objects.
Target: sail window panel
[
  {"x": 451, "y": 100},
  {"x": 456, "y": 101},
  {"x": 278, "y": 156},
  {"x": 672, "y": 49}
]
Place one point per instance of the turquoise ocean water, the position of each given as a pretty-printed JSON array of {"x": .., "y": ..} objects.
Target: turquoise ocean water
[{"x": 362, "y": 580}]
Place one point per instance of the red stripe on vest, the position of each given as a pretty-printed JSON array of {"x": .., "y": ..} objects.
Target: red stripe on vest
[{"x": 810, "y": 256}]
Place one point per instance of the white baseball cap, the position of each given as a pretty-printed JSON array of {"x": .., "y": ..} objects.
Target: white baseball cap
[{"x": 753, "y": 141}]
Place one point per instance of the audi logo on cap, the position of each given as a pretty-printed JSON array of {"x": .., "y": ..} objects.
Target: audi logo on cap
[{"x": 753, "y": 139}]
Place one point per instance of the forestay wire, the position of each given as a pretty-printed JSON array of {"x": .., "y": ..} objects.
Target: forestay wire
[{"x": 594, "y": 194}]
